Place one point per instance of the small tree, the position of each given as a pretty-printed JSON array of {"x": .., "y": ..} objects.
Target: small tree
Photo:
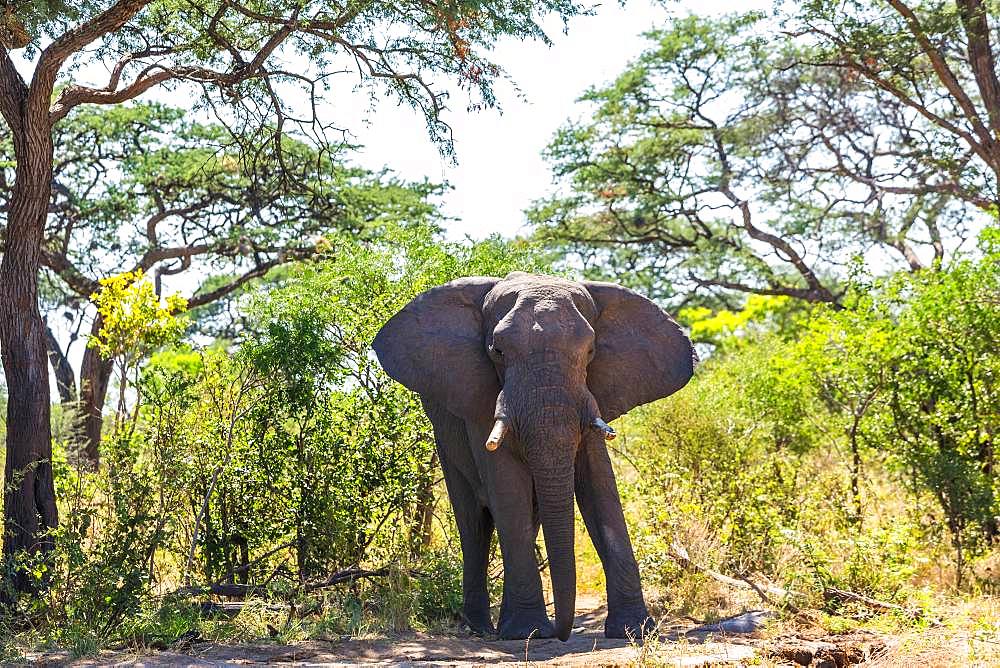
[
  {"x": 913, "y": 362},
  {"x": 133, "y": 324}
]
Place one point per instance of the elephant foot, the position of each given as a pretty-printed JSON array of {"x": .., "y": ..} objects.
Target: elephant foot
[
  {"x": 521, "y": 625},
  {"x": 631, "y": 623},
  {"x": 480, "y": 624}
]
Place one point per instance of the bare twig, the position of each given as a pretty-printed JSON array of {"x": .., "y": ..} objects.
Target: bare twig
[
  {"x": 842, "y": 595},
  {"x": 680, "y": 555}
]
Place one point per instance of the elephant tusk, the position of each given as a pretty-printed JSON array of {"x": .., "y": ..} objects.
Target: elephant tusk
[
  {"x": 609, "y": 432},
  {"x": 499, "y": 431}
]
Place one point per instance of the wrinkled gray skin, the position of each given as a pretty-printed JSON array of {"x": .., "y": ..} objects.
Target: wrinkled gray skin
[{"x": 547, "y": 356}]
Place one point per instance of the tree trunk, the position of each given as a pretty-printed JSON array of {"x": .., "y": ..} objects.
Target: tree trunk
[
  {"x": 29, "y": 492},
  {"x": 95, "y": 376},
  {"x": 423, "y": 512},
  {"x": 63, "y": 370}
]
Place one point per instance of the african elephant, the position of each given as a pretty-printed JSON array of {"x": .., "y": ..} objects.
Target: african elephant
[{"x": 518, "y": 376}]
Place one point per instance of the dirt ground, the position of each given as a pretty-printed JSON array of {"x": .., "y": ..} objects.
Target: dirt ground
[
  {"x": 586, "y": 647},
  {"x": 736, "y": 644}
]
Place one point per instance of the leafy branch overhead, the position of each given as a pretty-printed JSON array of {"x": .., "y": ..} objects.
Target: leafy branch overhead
[
  {"x": 246, "y": 58},
  {"x": 141, "y": 187},
  {"x": 770, "y": 155}
]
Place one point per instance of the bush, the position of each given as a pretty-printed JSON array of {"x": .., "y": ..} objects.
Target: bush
[
  {"x": 829, "y": 448},
  {"x": 439, "y": 587},
  {"x": 913, "y": 362},
  {"x": 272, "y": 464},
  {"x": 719, "y": 468}
]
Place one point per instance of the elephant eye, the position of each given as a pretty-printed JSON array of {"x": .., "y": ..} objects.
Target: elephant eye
[{"x": 496, "y": 351}]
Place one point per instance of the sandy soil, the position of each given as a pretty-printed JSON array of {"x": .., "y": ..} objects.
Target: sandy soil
[{"x": 694, "y": 646}]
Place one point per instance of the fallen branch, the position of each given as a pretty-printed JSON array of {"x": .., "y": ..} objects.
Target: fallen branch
[
  {"x": 352, "y": 574},
  {"x": 680, "y": 555},
  {"x": 834, "y": 594},
  {"x": 228, "y": 590},
  {"x": 233, "y": 590},
  {"x": 233, "y": 609},
  {"x": 346, "y": 575}
]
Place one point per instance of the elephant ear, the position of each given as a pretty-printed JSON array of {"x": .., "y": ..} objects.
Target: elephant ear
[
  {"x": 435, "y": 347},
  {"x": 640, "y": 353}
]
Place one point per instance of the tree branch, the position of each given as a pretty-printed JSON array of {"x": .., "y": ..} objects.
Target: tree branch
[
  {"x": 71, "y": 42},
  {"x": 158, "y": 73},
  {"x": 944, "y": 72},
  {"x": 977, "y": 31},
  {"x": 817, "y": 291},
  {"x": 69, "y": 273},
  {"x": 881, "y": 82},
  {"x": 222, "y": 291},
  {"x": 61, "y": 368},
  {"x": 804, "y": 294},
  {"x": 13, "y": 93}
]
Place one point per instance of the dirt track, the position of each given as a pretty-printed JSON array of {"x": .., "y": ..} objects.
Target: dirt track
[
  {"x": 700, "y": 646},
  {"x": 586, "y": 647}
]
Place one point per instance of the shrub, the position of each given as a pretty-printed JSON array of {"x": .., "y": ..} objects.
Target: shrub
[{"x": 272, "y": 464}]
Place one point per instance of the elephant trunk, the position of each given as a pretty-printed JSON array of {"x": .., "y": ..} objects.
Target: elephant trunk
[
  {"x": 554, "y": 489},
  {"x": 549, "y": 412}
]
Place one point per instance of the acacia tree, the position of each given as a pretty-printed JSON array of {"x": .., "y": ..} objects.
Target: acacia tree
[
  {"x": 729, "y": 162},
  {"x": 185, "y": 196},
  {"x": 247, "y": 62}
]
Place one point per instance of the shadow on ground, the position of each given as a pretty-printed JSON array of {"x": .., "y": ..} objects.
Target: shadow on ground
[{"x": 586, "y": 647}]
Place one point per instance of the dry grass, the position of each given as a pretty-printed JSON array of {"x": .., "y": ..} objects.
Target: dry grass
[{"x": 969, "y": 635}]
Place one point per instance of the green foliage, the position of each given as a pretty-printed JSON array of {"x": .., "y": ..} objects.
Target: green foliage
[
  {"x": 823, "y": 447},
  {"x": 879, "y": 562},
  {"x": 915, "y": 359},
  {"x": 439, "y": 587},
  {"x": 727, "y": 451},
  {"x": 115, "y": 525},
  {"x": 400, "y": 49},
  {"x": 270, "y": 465},
  {"x": 764, "y": 154},
  {"x": 190, "y": 197},
  {"x": 745, "y": 473},
  {"x": 133, "y": 321}
]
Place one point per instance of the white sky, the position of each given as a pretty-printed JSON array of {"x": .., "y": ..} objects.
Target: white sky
[{"x": 500, "y": 169}]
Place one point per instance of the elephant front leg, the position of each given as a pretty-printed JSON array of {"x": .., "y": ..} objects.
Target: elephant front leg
[
  {"x": 522, "y": 611},
  {"x": 601, "y": 508}
]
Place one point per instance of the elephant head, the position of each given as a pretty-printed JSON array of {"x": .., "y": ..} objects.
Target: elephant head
[{"x": 545, "y": 361}]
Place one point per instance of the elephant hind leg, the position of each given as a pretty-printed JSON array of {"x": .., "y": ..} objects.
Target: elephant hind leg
[
  {"x": 475, "y": 523},
  {"x": 476, "y": 538}
]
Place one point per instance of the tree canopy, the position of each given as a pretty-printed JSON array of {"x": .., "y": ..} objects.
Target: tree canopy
[
  {"x": 143, "y": 188},
  {"x": 771, "y": 154}
]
